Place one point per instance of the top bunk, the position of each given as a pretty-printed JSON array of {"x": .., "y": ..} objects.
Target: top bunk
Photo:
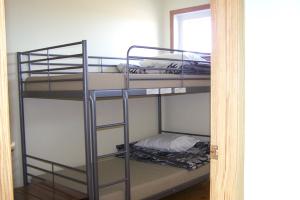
[{"x": 68, "y": 72}]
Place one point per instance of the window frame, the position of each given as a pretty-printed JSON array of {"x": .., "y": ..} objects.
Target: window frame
[{"x": 183, "y": 11}]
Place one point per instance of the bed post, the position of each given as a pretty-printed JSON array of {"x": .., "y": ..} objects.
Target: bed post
[
  {"x": 94, "y": 154},
  {"x": 159, "y": 114},
  {"x": 87, "y": 122},
  {"x": 22, "y": 120},
  {"x": 126, "y": 143}
]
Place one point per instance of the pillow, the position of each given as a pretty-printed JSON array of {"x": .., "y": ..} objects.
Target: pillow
[
  {"x": 170, "y": 64},
  {"x": 168, "y": 142}
]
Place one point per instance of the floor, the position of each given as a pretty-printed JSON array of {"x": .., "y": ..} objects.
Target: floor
[
  {"x": 197, "y": 192},
  {"x": 45, "y": 191}
]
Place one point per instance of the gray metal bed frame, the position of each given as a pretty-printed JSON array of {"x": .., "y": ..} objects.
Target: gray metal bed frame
[{"x": 89, "y": 98}]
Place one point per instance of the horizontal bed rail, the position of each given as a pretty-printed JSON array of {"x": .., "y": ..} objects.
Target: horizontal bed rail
[
  {"x": 56, "y": 61},
  {"x": 52, "y": 171},
  {"x": 171, "y": 68},
  {"x": 53, "y": 47},
  {"x": 56, "y": 164},
  {"x": 185, "y": 133},
  {"x": 46, "y": 81},
  {"x": 167, "y": 79},
  {"x": 73, "y": 64},
  {"x": 166, "y": 59},
  {"x": 50, "y": 70},
  {"x": 53, "y": 58},
  {"x": 56, "y": 174},
  {"x": 165, "y": 49}
]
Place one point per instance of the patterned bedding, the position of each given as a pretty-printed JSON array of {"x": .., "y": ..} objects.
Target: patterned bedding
[
  {"x": 194, "y": 68},
  {"x": 172, "y": 63},
  {"x": 191, "y": 159}
]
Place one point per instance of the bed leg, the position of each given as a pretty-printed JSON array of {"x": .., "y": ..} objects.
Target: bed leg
[
  {"x": 94, "y": 144},
  {"x": 126, "y": 143},
  {"x": 159, "y": 114},
  {"x": 87, "y": 125},
  {"x": 22, "y": 121}
]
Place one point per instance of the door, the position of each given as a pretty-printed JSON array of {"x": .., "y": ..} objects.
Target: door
[
  {"x": 6, "y": 184},
  {"x": 227, "y": 99}
]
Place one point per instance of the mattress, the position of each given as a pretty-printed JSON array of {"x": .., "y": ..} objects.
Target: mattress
[
  {"x": 102, "y": 81},
  {"x": 146, "y": 179}
]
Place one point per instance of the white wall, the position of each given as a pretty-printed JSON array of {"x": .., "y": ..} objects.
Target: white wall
[
  {"x": 57, "y": 126},
  {"x": 188, "y": 112},
  {"x": 130, "y": 22},
  {"x": 110, "y": 28},
  {"x": 272, "y": 100}
]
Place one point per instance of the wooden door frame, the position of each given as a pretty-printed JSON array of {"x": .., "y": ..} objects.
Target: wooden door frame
[
  {"x": 227, "y": 103},
  {"x": 6, "y": 180},
  {"x": 227, "y": 99}
]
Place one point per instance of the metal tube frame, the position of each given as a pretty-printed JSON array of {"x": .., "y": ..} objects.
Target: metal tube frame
[
  {"x": 89, "y": 137},
  {"x": 55, "y": 164},
  {"x": 159, "y": 113},
  {"x": 94, "y": 151},
  {"x": 89, "y": 147},
  {"x": 185, "y": 133},
  {"x": 55, "y": 174},
  {"x": 22, "y": 119},
  {"x": 126, "y": 145},
  {"x": 89, "y": 99}
]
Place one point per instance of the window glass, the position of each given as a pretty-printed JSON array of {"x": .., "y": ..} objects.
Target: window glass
[{"x": 192, "y": 31}]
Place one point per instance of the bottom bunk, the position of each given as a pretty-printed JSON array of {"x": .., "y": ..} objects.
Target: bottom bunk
[
  {"x": 148, "y": 180},
  {"x": 159, "y": 166}
]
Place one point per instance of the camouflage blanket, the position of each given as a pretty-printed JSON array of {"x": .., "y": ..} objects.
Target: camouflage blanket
[{"x": 191, "y": 159}]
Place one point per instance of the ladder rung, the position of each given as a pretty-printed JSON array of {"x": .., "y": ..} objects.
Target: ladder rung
[
  {"x": 110, "y": 125},
  {"x": 112, "y": 154},
  {"x": 112, "y": 183}
]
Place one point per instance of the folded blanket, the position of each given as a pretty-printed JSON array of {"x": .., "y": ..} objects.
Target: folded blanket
[{"x": 191, "y": 159}]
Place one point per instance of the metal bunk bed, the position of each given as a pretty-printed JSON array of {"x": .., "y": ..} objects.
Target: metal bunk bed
[{"x": 43, "y": 63}]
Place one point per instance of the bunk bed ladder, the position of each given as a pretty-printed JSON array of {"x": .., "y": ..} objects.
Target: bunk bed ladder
[{"x": 94, "y": 129}]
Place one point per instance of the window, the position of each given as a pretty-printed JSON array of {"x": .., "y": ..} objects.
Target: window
[{"x": 191, "y": 29}]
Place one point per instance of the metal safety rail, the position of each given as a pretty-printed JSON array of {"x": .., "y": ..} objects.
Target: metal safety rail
[
  {"x": 51, "y": 62},
  {"x": 53, "y": 172},
  {"x": 27, "y": 68},
  {"x": 182, "y": 60},
  {"x": 43, "y": 62}
]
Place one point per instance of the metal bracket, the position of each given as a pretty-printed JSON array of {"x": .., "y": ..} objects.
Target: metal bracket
[{"x": 214, "y": 152}]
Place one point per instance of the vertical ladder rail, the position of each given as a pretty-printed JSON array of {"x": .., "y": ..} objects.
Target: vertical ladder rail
[
  {"x": 94, "y": 145},
  {"x": 126, "y": 145},
  {"x": 159, "y": 113},
  {"x": 94, "y": 153}
]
